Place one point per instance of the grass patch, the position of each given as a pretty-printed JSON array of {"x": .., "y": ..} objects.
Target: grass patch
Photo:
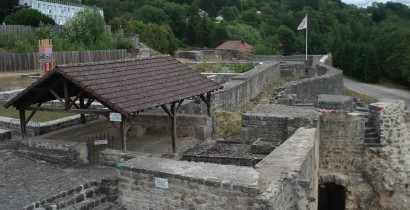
[
  {"x": 228, "y": 124},
  {"x": 13, "y": 82},
  {"x": 38, "y": 117},
  {"x": 363, "y": 98},
  {"x": 218, "y": 68}
]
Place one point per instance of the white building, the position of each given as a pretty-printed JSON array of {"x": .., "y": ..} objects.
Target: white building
[{"x": 60, "y": 11}]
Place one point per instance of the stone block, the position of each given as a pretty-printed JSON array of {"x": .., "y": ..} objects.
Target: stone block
[
  {"x": 5, "y": 134},
  {"x": 263, "y": 146}
]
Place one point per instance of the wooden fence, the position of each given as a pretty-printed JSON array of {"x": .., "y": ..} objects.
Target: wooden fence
[
  {"x": 11, "y": 62},
  {"x": 22, "y": 30}
]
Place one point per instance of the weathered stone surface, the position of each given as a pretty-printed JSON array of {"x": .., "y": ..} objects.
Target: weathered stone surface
[
  {"x": 5, "y": 134},
  {"x": 190, "y": 185},
  {"x": 23, "y": 181},
  {"x": 223, "y": 153},
  {"x": 329, "y": 81},
  {"x": 276, "y": 122},
  {"x": 335, "y": 102},
  {"x": 264, "y": 146}
]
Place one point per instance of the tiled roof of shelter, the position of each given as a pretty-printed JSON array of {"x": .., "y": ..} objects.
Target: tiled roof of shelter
[
  {"x": 127, "y": 86},
  {"x": 238, "y": 45}
]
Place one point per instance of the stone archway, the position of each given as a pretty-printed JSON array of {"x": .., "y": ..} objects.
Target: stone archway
[
  {"x": 331, "y": 197},
  {"x": 333, "y": 192}
]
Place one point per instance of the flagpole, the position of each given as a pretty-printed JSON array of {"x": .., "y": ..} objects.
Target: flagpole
[{"x": 306, "y": 37}]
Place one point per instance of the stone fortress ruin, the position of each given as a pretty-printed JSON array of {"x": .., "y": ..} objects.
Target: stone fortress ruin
[{"x": 309, "y": 148}]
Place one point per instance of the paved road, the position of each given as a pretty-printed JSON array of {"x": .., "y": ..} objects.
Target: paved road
[{"x": 378, "y": 91}]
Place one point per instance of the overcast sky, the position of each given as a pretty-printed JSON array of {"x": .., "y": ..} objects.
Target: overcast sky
[{"x": 365, "y": 3}]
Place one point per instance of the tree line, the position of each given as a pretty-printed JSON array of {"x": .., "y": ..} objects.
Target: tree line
[{"x": 370, "y": 44}]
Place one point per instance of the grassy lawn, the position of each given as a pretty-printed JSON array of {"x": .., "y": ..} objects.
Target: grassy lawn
[
  {"x": 12, "y": 81},
  {"x": 363, "y": 98},
  {"x": 38, "y": 117}
]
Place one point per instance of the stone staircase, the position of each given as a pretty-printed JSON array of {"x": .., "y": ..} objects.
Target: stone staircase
[
  {"x": 93, "y": 195},
  {"x": 371, "y": 136}
]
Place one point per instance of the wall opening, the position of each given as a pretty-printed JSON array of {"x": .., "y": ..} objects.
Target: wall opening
[{"x": 331, "y": 197}]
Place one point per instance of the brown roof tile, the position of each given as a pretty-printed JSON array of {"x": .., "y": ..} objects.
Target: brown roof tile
[{"x": 133, "y": 85}]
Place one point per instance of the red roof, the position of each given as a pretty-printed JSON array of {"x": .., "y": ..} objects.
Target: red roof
[
  {"x": 127, "y": 86},
  {"x": 238, "y": 45}
]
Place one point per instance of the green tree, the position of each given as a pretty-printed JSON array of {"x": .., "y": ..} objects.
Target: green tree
[
  {"x": 28, "y": 17},
  {"x": 287, "y": 38},
  {"x": 150, "y": 14},
  {"x": 245, "y": 32},
  {"x": 7, "y": 7},
  {"x": 86, "y": 27}
]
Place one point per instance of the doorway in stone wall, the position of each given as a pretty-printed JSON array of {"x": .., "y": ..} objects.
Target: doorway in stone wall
[{"x": 331, "y": 197}]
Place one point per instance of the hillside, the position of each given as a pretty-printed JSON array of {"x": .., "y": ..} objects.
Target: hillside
[{"x": 370, "y": 44}]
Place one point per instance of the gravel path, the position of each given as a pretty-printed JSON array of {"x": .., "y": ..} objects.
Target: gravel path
[{"x": 23, "y": 181}]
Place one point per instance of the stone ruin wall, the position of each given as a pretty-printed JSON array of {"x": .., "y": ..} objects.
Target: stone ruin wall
[
  {"x": 277, "y": 182},
  {"x": 374, "y": 176},
  {"x": 387, "y": 168},
  {"x": 307, "y": 90}
]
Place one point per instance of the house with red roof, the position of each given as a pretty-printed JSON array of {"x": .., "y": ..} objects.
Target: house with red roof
[{"x": 238, "y": 45}]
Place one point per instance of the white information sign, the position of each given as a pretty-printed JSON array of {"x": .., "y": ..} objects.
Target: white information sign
[
  {"x": 100, "y": 142},
  {"x": 161, "y": 183},
  {"x": 115, "y": 117}
]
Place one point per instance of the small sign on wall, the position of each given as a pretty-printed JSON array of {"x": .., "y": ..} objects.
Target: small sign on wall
[
  {"x": 100, "y": 142},
  {"x": 161, "y": 183},
  {"x": 115, "y": 117}
]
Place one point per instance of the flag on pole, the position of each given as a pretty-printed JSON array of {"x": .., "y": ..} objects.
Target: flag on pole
[{"x": 303, "y": 24}]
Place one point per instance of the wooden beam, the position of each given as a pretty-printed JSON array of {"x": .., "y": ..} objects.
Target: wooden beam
[
  {"x": 174, "y": 127},
  {"x": 77, "y": 111},
  {"x": 82, "y": 116},
  {"x": 39, "y": 95},
  {"x": 90, "y": 100},
  {"x": 66, "y": 97},
  {"x": 124, "y": 127},
  {"x": 56, "y": 95},
  {"x": 22, "y": 114},
  {"x": 75, "y": 99},
  {"x": 204, "y": 99},
  {"x": 179, "y": 104},
  {"x": 208, "y": 97},
  {"x": 166, "y": 110},
  {"x": 32, "y": 114}
]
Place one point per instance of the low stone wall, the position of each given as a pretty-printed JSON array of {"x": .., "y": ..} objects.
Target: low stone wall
[
  {"x": 110, "y": 157},
  {"x": 292, "y": 69},
  {"x": 275, "y": 122},
  {"x": 198, "y": 126},
  {"x": 5, "y": 134},
  {"x": 154, "y": 183},
  {"x": 307, "y": 90},
  {"x": 7, "y": 95},
  {"x": 277, "y": 182},
  {"x": 335, "y": 102},
  {"x": 243, "y": 88},
  {"x": 220, "y": 78},
  {"x": 292, "y": 179},
  {"x": 39, "y": 128}
]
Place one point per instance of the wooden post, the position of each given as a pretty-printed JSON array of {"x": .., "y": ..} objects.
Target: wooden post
[
  {"x": 208, "y": 97},
  {"x": 174, "y": 127},
  {"x": 66, "y": 98},
  {"x": 22, "y": 114},
  {"x": 82, "y": 116},
  {"x": 124, "y": 133}
]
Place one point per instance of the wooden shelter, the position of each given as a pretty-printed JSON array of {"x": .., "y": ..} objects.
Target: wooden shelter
[{"x": 126, "y": 87}]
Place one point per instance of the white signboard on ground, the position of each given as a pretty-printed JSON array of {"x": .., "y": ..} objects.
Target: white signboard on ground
[
  {"x": 115, "y": 117},
  {"x": 161, "y": 183}
]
